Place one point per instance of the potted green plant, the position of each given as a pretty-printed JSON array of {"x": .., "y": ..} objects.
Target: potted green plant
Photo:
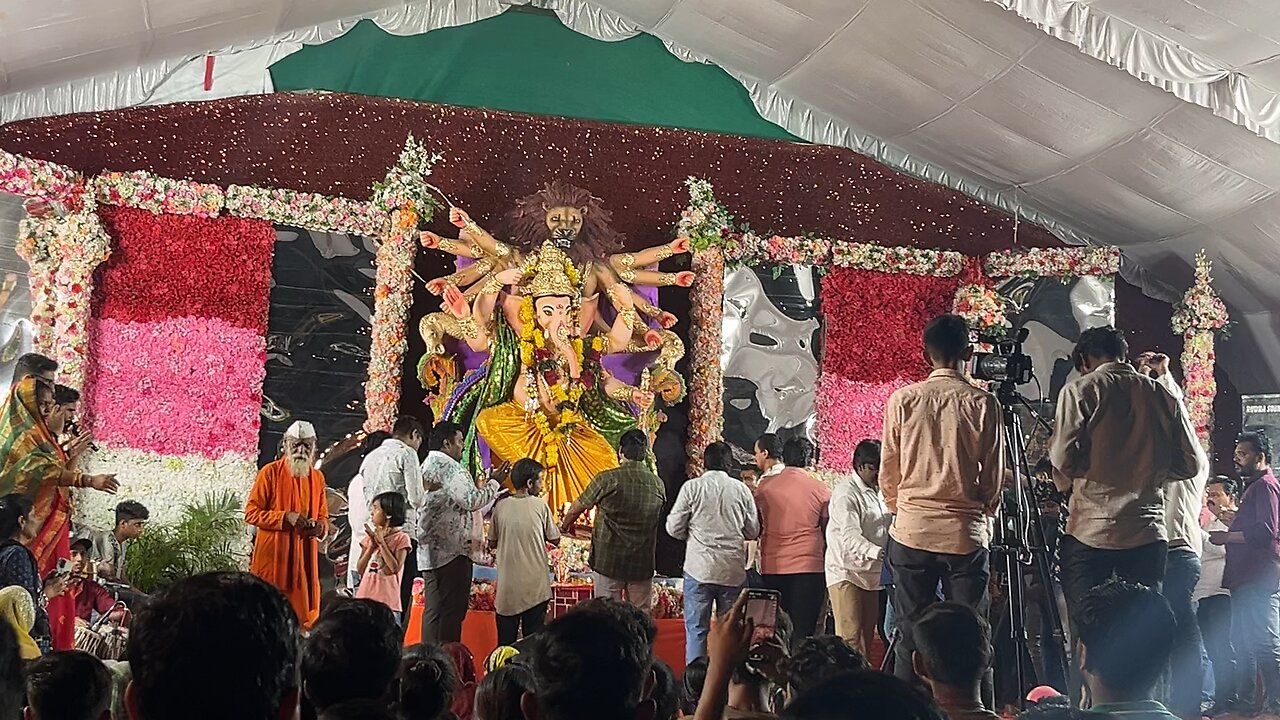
[{"x": 210, "y": 536}]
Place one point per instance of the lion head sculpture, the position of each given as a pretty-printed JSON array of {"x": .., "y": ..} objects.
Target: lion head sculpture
[{"x": 567, "y": 214}]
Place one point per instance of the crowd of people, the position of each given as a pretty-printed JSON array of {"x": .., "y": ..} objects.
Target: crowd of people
[{"x": 1169, "y": 578}]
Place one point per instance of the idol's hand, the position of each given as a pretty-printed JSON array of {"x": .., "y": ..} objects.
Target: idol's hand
[
  {"x": 679, "y": 246},
  {"x": 685, "y": 279},
  {"x": 437, "y": 286},
  {"x": 653, "y": 338},
  {"x": 512, "y": 276},
  {"x": 459, "y": 217},
  {"x": 455, "y": 302},
  {"x": 667, "y": 320},
  {"x": 429, "y": 240},
  {"x": 643, "y": 398}
]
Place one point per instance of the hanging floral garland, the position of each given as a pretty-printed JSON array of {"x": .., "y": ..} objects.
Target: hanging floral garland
[
  {"x": 1065, "y": 262},
  {"x": 981, "y": 307},
  {"x": 145, "y": 191},
  {"x": 38, "y": 179},
  {"x": 1197, "y": 318}
]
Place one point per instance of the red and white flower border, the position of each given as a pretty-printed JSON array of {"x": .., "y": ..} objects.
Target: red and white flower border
[
  {"x": 1065, "y": 262},
  {"x": 1198, "y": 318},
  {"x": 63, "y": 248}
]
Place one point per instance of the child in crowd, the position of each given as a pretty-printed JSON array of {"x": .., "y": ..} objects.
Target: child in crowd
[{"x": 383, "y": 550}]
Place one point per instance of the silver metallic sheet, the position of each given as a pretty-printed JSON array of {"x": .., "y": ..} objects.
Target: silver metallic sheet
[
  {"x": 771, "y": 340},
  {"x": 16, "y": 331}
]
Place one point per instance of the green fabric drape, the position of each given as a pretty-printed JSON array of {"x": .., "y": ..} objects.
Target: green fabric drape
[{"x": 531, "y": 63}]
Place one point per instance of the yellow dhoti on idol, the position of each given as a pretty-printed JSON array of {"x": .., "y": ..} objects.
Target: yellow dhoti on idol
[{"x": 571, "y": 458}]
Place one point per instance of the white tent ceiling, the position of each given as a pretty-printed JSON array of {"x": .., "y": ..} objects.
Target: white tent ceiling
[{"x": 1149, "y": 124}]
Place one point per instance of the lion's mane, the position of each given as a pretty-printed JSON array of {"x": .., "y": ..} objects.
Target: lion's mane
[{"x": 526, "y": 225}]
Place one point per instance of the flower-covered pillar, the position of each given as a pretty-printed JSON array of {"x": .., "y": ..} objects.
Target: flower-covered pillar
[
  {"x": 706, "y": 389},
  {"x": 406, "y": 199},
  {"x": 1200, "y": 315},
  {"x": 63, "y": 244}
]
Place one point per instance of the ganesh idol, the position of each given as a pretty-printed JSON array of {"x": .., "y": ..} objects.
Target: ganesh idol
[{"x": 568, "y": 351}]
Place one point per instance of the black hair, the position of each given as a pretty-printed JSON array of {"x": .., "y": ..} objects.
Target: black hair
[
  {"x": 65, "y": 394},
  {"x": 1127, "y": 631},
  {"x": 406, "y": 426},
  {"x": 68, "y": 685},
  {"x": 205, "y": 634},
  {"x": 11, "y": 685},
  {"x": 426, "y": 683},
  {"x": 955, "y": 643},
  {"x": 625, "y": 612},
  {"x": 524, "y": 471},
  {"x": 1229, "y": 485},
  {"x": 394, "y": 506},
  {"x": 1058, "y": 711},
  {"x": 1106, "y": 343},
  {"x": 358, "y": 710},
  {"x": 1260, "y": 442},
  {"x": 33, "y": 365},
  {"x": 591, "y": 664},
  {"x": 13, "y": 507},
  {"x": 665, "y": 694},
  {"x": 946, "y": 338},
  {"x": 718, "y": 456},
  {"x": 131, "y": 510},
  {"x": 797, "y": 452},
  {"x": 865, "y": 695},
  {"x": 372, "y": 441},
  {"x": 634, "y": 445},
  {"x": 771, "y": 445},
  {"x": 83, "y": 544},
  {"x": 820, "y": 657},
  {"x": 351, "y": 653},
  {"x": 691, "y": 682},
  {"x": 867, "y": 453},
  {"x": 443, "y": 432},
  {"x": 499, "y": 692}
]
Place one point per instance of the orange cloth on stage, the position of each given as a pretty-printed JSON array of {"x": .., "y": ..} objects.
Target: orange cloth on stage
[{"x": 284, "y": 556}]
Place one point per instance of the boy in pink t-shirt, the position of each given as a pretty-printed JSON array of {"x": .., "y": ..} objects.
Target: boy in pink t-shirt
[{"x": 383, "y": 550}]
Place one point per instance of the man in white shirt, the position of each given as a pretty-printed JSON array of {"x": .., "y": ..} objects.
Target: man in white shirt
[
  {"x": 715, "y": 514},
  {"x": 445, "y": 532},
  {"x": 393, "y": 467},
  {"x": 1213, "y": 602},
  {"x": 856, "y": 537},
  {"x": 1183, "y": 499}
]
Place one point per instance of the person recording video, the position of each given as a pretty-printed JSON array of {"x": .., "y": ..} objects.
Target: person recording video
[
  {"x": 1119, "y": 439},
  {"x": 941, "y": 466}
]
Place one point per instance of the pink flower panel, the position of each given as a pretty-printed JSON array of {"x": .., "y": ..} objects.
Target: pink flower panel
[
  {"x": 848, "y": 413},
  {"x": 177, "y": 386}
]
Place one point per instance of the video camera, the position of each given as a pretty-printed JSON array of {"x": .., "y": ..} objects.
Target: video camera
[{"x": 1006, "y": 362}]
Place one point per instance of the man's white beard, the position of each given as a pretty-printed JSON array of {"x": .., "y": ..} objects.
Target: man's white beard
[{"x": 299, "y": 467}]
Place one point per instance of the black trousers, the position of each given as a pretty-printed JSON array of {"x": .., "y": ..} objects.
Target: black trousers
[
  {"x": 408, "y": 574},
  {"x": 916, "y": 574},
  {"x": 802, "y": 597},
  {"x": 1084, "y": 568},
  {"x": 447, "y": 591},
  {"x": 1214, "y": 614},
  {"x": 530, "y": 621}
]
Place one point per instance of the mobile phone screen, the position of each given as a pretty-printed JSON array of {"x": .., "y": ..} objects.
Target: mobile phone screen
[{"x": 762, "y": 608}]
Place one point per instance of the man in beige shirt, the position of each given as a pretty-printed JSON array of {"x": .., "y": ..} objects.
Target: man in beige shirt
[
  {"x": 941, "y": 464},
  {"x": 1118, "y": 439}
]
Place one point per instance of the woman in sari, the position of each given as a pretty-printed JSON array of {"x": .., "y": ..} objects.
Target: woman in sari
[{"x": 32, "y": 463}]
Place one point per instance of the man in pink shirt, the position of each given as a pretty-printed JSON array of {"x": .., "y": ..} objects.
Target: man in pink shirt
[{"x": 793, "y": 520}]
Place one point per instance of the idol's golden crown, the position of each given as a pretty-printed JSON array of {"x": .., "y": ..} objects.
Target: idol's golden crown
[{"x": 551, "y": 273}]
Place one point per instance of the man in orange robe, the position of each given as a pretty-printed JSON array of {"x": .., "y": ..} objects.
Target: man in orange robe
[{"x": 289, "y": 509}]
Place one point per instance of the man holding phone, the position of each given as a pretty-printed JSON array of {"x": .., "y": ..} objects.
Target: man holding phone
[{"x": 941, "y": 465}]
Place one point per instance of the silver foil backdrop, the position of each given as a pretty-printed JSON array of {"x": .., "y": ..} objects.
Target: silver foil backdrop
[{"x": 770, "y": 353}]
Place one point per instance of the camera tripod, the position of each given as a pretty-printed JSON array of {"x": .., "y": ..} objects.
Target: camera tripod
[{"x": 1021, "y": 542}]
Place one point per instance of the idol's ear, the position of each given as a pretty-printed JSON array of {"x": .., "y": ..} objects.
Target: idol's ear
[{"x": 583, "y": 210}]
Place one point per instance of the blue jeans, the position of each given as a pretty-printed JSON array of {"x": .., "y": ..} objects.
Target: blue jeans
[
  {"x": 698, "y": 598},
  {"x": 1255, "y": 633},
  {"x": 1182, "y": 572}
]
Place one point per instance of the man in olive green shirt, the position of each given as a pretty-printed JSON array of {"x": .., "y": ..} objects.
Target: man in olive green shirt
[{"x": 629, "y": 499}]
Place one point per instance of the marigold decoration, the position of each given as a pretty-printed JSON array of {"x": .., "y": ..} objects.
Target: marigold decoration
[
  {"x": 1054, "y": 262},
  {"x": 982, "y": 307},
  {"x": 1200, "y": 314},
  {"x": 706, "y": 388}
]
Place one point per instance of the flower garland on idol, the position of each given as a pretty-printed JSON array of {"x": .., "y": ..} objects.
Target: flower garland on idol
[{"x": 1197, "y": 318}]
